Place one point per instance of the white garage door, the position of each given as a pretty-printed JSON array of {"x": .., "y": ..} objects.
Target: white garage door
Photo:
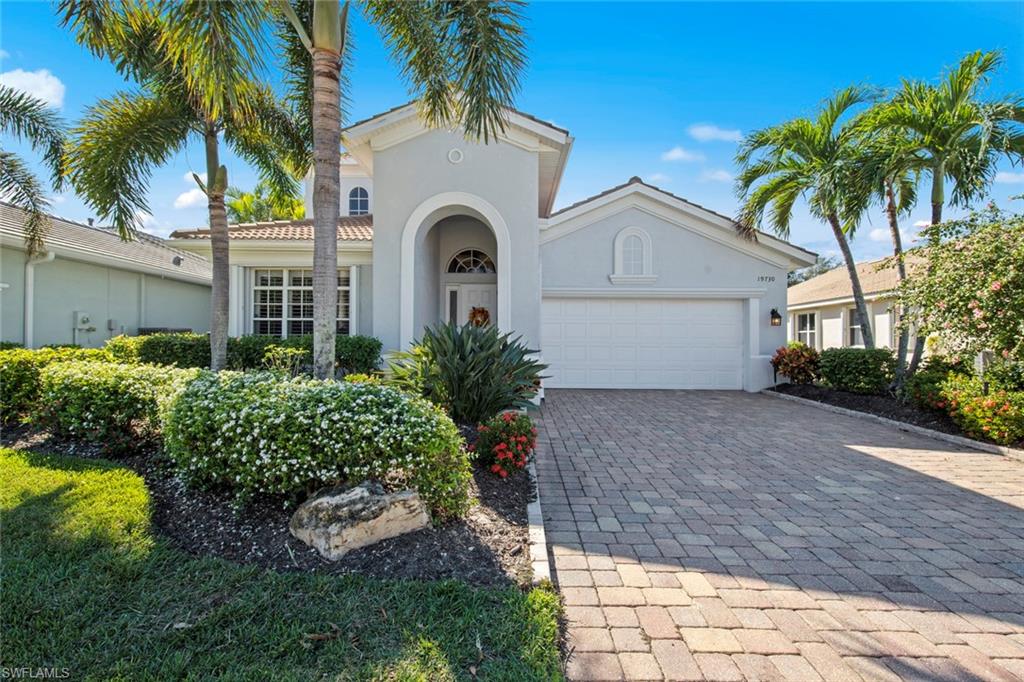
[{"x": 642, "y": 343}]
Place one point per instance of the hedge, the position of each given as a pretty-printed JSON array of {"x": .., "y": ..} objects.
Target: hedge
[
  {"x": 352, "y": 353},
  {"x": 995, "y": 415},
  {"x": 257, "y": 434},
  {"x": 114, "y": 404},
  {"x": 19, "y": 375},
  {"x": 858, "y": 370}
]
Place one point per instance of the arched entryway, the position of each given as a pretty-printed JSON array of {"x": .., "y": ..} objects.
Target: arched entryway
[{"x": 465, "y": 234}]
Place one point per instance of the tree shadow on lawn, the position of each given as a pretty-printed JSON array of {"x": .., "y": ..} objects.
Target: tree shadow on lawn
[
  {"x": 86, "y": 587},
  {"x": 785, "y": 500}
]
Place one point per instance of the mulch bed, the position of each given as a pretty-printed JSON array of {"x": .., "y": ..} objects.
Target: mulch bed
[
  {"x": 487, "y": 547},
  {"x": 880, "y": 405}
]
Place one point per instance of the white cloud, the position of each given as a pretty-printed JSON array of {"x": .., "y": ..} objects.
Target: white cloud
[
  {"x": 190, "y": 199},
  {"x": 879, "y": 235},
  {"x": 680, "y": 154},
  {"x": 658, "y": 177},
  {"x": 187, "y": 177},
  {"x": 922, "y": 223},
  {"x": 716, "y": 176},
  {"x": 4, "y": 54},
  {"x": 1009, "y": 178},
  {"x": 706, "y": 132},
  {"x": 40, "y": 84},
  {"x": 147, "y": 219}
]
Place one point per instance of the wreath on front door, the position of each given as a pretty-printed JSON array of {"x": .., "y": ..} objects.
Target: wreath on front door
[{"x": 479, "y": 317}]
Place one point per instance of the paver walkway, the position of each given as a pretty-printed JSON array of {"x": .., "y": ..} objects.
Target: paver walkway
[{"x": 728, "y": 536}]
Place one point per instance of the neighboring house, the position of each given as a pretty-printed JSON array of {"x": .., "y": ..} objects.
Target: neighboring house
[
  {"x": 631, "y": 288},
  {"x": 89, "y": 285},
  {"x": 821, "y": 310}
]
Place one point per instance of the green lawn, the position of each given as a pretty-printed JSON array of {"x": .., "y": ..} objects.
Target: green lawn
[{"x": 86, "y": 586}]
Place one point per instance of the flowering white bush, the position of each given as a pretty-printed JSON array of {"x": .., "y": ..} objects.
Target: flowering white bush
[
  {"x": 105, "y": 402},
  {"x": 259, "y": 434}
]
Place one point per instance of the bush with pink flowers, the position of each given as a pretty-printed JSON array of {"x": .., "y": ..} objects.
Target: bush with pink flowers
[{"x": 504, "y": 443}]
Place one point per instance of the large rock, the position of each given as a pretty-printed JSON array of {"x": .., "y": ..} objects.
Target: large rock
[{"x": 337, "y": 520}]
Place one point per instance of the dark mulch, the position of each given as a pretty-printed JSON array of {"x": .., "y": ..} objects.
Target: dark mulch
[
  {"x": 880, "y": 405},
  {"x": 487, "y": 547}
]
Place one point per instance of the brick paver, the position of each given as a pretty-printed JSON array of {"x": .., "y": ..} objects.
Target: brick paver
[{"x": 717, "y": 535}]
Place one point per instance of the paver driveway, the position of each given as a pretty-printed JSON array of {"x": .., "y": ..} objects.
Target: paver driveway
[{"x": 727, "y": 536}]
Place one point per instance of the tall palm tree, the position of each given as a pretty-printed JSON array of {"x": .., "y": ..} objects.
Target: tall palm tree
[
  {"x": 196, "y": 65},
  {"x": 957, "y": 136},
  {"x": 462, "y": 59},
  {"x": 811, "y": 158},
  {"x": 30, "y": 119}
]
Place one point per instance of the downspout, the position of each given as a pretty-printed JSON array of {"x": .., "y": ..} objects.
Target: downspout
[{"x": 30, "y": 286}]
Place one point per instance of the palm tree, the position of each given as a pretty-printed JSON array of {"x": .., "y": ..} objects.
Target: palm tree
[
  {"x": 28, "y": 118},
  {"x": 462, "y": 59},
  {"x": 261, "y": 204},
  {"x": 811, "y": 158},
  {"x": 957, "y": 137},
  {"x": 196, "y": 64}
]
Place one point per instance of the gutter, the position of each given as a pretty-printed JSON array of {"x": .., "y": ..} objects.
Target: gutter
[{"x": 30, "y": 290}]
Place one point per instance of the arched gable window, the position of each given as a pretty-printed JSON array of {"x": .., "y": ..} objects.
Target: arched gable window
[
  {"x": 358, "y": 201},
  {"x": 471, "y": 261},
  {"x": 633, "y": 258}
]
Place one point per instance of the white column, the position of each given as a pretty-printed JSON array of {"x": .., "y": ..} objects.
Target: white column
[{"x": 353, "y": 300}]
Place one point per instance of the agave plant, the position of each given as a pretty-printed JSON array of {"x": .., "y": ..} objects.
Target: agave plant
[{"x": 472, "y": 372}]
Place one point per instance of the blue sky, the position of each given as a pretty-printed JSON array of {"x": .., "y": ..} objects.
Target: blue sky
[{"x": 659, "y": 90}]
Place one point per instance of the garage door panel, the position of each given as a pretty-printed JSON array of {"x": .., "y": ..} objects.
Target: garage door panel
[{"x": 643, "y": 343}]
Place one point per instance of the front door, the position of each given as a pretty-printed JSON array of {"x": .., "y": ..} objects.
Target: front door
[{"x": 462, "y": 298}]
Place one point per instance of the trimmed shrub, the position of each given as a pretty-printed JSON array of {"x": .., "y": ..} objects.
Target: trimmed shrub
[
  {"x": 997, "y": 416},
  {"x": 110, "y": 403},
  {"x": 352, "y": 353},
  {"x": 505, "y": 442},
  {"x": 257, "y": 434},
  {"x": 924, "y": 388},
  {"x": 1007, "y": 375},
  {"x": 858, "y": 370},
  {"x": 360, "y": 378},
  {"x": 472, "y": 372},
  {"x": 797, "y": 362},
  {"x": 10, "y": 345},
  {"x": 19, "y": 375}
]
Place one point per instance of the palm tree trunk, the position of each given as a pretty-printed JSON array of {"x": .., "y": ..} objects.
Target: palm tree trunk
[
  {"x": 858, "y": 293},
  {"x": 326, "y": 206},
  {"x": 901, "y": 274},
  {"x": 938, "y": 199},
  {"x": 215, "y": 187}
]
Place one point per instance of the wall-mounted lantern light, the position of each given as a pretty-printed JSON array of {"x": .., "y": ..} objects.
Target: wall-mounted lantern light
[{"x": 776, "y": 318}]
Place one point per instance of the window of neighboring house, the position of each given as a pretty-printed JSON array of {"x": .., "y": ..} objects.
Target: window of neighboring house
[
  {"x": 283, "y": 302},
  {"x": 807, "y": 329},
  {"x": 358, "y": 201},
  {"x": 855, "y": 334}
]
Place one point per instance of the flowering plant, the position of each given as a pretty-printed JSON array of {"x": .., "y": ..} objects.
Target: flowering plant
[
  {"x": 996, "y": 416},
  {"x": 505, "y": 442}
]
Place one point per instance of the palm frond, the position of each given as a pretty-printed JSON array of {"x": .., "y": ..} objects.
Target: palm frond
[
  {"x": 20, "y": 186},
  {"x": 115, "y": 147},
  {"x": 30, "y": 119}
]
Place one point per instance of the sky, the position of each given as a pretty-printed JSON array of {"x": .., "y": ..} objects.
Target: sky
[{"x": 659, "y": 90}]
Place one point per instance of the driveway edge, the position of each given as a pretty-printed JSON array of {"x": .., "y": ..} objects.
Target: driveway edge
[
  {"x": 538, "y": 540},
  {"x": 1013, "y": 453}
]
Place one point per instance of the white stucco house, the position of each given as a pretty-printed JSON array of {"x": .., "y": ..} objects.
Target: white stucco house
[
  {"x": 631, "y": 288},
  {"x": 821, "y": 309},
  {"x": 88, "y": 285}
]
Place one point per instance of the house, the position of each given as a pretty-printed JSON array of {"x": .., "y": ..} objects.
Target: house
[
  {"x": 89, "y": 285},
  {"x": 631, "y": 288},
  {"x": 821, "y": 309}
]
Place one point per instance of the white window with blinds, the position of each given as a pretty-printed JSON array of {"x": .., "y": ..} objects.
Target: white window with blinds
[{"x": 282, "y": 301}]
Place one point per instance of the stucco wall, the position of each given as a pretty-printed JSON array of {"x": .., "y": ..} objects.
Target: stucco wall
[
  {"x": 64, "y": 286},
  {"x": 682, "y": 259},
  {"x": 833, "y": 322},
  {"x": 410, "y": 173}
]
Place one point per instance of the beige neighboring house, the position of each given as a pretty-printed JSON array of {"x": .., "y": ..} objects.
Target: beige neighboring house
[
  {"x": 88, "y": 285},
  {"x": 821, "y": 310}
]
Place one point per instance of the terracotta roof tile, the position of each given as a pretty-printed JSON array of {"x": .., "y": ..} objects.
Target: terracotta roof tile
[{"x": 350, "y": 229}]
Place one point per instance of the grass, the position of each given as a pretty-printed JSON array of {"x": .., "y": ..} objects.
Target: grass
[{"x": 86, "y": 586}]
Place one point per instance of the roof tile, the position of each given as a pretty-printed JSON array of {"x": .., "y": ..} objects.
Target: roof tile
[{"x": 350, "y": 229}]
